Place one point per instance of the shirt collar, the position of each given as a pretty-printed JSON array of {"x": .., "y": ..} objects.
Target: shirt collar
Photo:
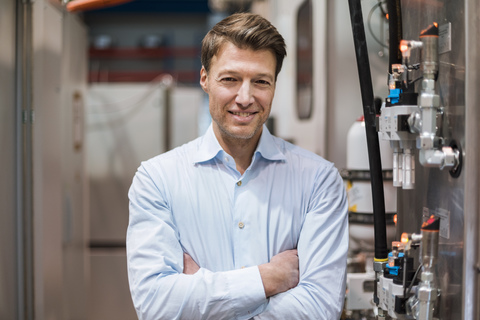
[
  {"x": 209, "y": 147},
  {"x": 268, "y": 148}
]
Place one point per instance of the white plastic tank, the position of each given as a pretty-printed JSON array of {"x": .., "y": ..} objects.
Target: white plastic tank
[{"x": 359, "y": 190}]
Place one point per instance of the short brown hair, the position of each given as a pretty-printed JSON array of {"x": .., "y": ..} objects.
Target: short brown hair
[{"x": 246, "y": 31}]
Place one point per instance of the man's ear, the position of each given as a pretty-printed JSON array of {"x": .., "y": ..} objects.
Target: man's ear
[{"x": 204, "y": 79}]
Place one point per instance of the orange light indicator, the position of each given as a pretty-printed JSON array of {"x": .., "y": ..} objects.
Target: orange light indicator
[
  {"x": 386, "y": 16},
  {"x": 395, "y": 219},
  {"x": 403, "y": 47},
  {"x": 435, "y": 24},
  {"x": 404, "y": 238}
]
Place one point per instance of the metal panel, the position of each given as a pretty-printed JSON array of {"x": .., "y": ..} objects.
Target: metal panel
[
  {"x": 9, "y": 299},
  {"x": 74, "y": 207},
  {"x": 59, "y": 82},
  {"x": 436, "y": 191},
  {"x": 47, "y": 189}
]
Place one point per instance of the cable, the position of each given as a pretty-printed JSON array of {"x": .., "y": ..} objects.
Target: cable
[
  {"x": 413, "y": 81},
  {"x": 124, "y": 113},
  {"x": 164, "y": 80},
  {"x": 413, "y": 280},
  {"x": 373, "y": 146},
  {"x": 369, "y": 22},
  {"x": 381, "y": 8}
]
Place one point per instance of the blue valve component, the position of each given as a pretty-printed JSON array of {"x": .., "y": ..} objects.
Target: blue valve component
[
  {"x": 394, "y": 95},
  {"x": 392, "y": 268}
]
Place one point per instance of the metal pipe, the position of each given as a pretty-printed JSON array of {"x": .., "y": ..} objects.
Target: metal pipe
[
  {"x": 24, "y": 174},
  {"x": 167, "y": 82},
  {"x": 373, "y": 145},
  {"x": 427, "y": 295},
  {"x": 471, "y": 256},
  {"x": 427, "y": 291},
  {"x": 19, "y": 162}
]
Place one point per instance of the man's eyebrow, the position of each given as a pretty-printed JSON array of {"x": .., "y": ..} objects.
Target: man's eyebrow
[
  {"x": 266, "y": 75},
  {"x": 235, "y": 73}
]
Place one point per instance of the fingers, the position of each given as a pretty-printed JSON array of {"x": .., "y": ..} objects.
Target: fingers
[
  {"x": 189, "y": 265},
  {"x": 281, "y": 273}
]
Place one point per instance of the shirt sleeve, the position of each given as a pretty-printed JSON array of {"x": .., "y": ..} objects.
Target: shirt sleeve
[
  {"x": 158, "y": 287},
  {"x": 322, "y": 251}
]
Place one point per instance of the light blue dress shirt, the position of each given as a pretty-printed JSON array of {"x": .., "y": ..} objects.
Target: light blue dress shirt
[{"x": 192, "y": 199}]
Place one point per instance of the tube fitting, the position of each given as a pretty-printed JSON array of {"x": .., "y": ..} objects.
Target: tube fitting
[
  {"x": 447, "y": 157},
  {"x": 427, "y": 296},
  {"x": 406, "y": 47}
]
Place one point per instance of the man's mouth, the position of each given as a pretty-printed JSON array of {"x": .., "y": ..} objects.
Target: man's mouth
[{"x": 242, "y": 114}]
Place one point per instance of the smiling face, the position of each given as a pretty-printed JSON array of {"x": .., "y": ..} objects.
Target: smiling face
[{"x": 241, "y": 86}]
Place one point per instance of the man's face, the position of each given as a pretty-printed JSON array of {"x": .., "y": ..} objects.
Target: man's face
[{"x": 241, "y": 86}]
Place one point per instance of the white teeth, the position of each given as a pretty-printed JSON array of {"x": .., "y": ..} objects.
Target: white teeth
[{"x": 241, "y": 114}]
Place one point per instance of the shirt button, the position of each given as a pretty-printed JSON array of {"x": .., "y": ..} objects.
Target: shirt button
[
  {"x": 241, "y": 225},
  {"x": 226, "y": 159},
  {"x": 239, "y": 183}
]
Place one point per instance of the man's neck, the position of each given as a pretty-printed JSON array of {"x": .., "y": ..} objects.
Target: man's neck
[{"x": 240, "y": 149}]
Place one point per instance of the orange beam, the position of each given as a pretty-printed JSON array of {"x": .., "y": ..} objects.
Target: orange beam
[{"x": 85, "y": 5}]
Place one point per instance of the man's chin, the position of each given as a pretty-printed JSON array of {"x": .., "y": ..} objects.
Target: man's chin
[{"x": 241, "y": 134}]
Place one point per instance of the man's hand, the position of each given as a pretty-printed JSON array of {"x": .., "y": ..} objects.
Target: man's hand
[
  {"x": 189, "y": 265},
  {"x": 281, "y": 273}
]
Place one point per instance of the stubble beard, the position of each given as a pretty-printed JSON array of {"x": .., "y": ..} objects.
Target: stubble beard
[{"x": 236, "y": 137}]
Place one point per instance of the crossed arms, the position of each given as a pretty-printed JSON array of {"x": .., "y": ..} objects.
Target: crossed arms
[{"x": 307, "y": 282}]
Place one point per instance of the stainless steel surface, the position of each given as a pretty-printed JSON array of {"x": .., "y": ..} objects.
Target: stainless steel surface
[
  {"x": 9, "y": 292},
  {"x": 471, "y": 286},
  {"x": 73, "y": 182},
  {"x": 59, "y": 252},
  {"x": 47, "y": 161},
  {"x": 436, "y": 191},
  {"x": 429, "y": 250}
]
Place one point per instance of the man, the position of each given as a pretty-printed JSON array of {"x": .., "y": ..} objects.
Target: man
[{"x": 238, "y": 224}]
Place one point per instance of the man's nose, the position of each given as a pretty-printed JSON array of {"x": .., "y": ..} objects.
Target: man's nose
[{"x": 245, "y": 94}]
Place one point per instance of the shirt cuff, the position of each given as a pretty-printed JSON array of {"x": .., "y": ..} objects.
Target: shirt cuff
[{"x": 247, "y": 287}]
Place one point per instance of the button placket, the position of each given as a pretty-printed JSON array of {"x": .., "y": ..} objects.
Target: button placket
[{"x": 239, "y": 223}]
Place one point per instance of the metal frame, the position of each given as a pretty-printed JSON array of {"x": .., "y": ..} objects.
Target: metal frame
[
  {"x": 471, "y": 264},
  {"x": 24, "y": 183}
]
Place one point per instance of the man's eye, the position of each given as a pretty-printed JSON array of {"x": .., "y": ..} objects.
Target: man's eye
[
  {"x": 228, "y": 79},
  {"x": 263, "y": 83}
]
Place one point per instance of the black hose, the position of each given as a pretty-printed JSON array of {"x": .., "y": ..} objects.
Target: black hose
[
  {"x": 394, "y": 33},
  {"x": 373, "y": 145}
]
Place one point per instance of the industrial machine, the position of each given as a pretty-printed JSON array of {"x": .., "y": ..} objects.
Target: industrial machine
[
  {"x": 409, "y": 119},
  {"x": 430, "y": 119}
]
